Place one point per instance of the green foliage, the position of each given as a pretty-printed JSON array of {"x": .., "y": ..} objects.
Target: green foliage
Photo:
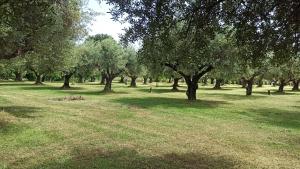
[
  {"x": 30, "y": 25},
  {"x": 133, "y": 66},
  {"x": 111, "y": 58}
]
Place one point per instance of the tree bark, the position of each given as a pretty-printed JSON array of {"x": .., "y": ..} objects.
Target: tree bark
[
  {"x": 260, "y": 81},
  {"x": 145, "y": 80},
  {"x": 212, "y": 80},
  {"x": 38, "y": 80},
  {"x": 133, "y": 81},
  {"x": 67, "y": 81},
  {"x": 18, "y": 76},
  {"x": 121, "y": 79},
  {"x": 218, "y": 84},
  {"x": 204, "y": 81},
  {"x": 281, "y": 86},
  {"x": 150, "y": 80},
  {"x": 175, "y": 84},
  {"x": 296, "y": 85},
  {"x": 249, "y": 86},
  {"x": 243, "y": 82},
  {"x": 170, "y": 80},
  {"x": 80, "y": 79},
  {"x": 103, "y": 79},
  {"x": 192, "y": 89},
  {"x": 43, "y": 78},
  {"x": 107, "y": 87}
]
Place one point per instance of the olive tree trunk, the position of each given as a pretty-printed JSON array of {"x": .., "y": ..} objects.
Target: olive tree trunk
[
  {"x": 133, "y": 81},
  {"x": 150, "y": 80},
  {"x": 243, "y": 82},
  {"x": 18, "y": 76},
  {"x": 67, "y": 78},
  {"x": 260, "y": 81},
  {"x": 296, "y": 85},
  {"x": 218, "y": 84},
  {"x": 145, "y": 80},
  {"x": 80, "y": 79},
  {"x": 103, "y": 79},
  {"x": 122, "y": 79},
  {"x": 38, "y": 80},
  {"x": 192, "y": 89},
  {"x": 281, "y": 86},
  {"x": 175, "y": 84},
  {"x": 107, "y": 87}
]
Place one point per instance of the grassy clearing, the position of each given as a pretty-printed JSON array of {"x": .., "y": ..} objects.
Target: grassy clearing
[{"x": 133, "y": 128}]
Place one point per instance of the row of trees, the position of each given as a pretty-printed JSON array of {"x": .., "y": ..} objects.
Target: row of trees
[
  {"x": 222, "y": 39},
  {"x": 101, "y": 56},
  {"x": 186, "y": 36}
]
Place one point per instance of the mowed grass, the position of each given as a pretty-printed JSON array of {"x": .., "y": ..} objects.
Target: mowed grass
[{"x": 132, "y": 128}]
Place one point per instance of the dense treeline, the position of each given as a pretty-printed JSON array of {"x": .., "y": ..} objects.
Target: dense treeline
[{"x": 243, "y": 42}]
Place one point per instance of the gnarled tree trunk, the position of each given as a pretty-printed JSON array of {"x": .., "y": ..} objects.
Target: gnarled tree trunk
[
  {"x": 109, "y": 77},
  {"x": 212, "y": 80},
  {"x": 175, "y": 84},
  {"x": 18, "y": 76},
  {"x": 281, "y": 85},
  {"x": 43, "y": 78},
  {"x": 145, "y": 80},
  {"x": 133, "y": 81},
  {"x": 38, "y": 80},
  {"x": 218, "y": 84},
  {"x": 150, "y": 80},
  {"x": 296, "y": 85},
  {"x": 107, "y": 87},
  {"x": 260, "y": 81},
  {"x": 192, "y": 89},
  {"x": 67, "y": 78},
  {"x": 121, "y": 79},
  {"x": 80, "y": 79},
  {"x": 204, "y": 81},
  {"x": 103, "y": 79},
  {"x": 249, "y": 87},
  {"x": 243, "y": 82}
]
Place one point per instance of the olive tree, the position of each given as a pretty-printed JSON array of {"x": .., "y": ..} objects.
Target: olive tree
[
  {"x": 112, "y": 61},
  {"x": 133, "y": 67}
]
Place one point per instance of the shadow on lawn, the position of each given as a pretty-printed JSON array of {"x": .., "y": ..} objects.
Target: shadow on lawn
[
  {"x": 277, "y": 117},
  {"x": 45, "y": 87},
  {"x": 20, "y": 111},
  {"x": 158, "y": 90},
  {"x": 222, "y": 88},
  {"x": 231, "y": 96},
  {"x": 94, "y": 92},
  {"x": 14, "y": 84},
  {"x": 149, "y": 102},
  {"x": 131, "y": 159},
  {"x": 274, "y": 92}
]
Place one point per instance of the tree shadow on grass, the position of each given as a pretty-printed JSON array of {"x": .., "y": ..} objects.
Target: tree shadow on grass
[
  {"x": 20, "y": 111},
  {"x": 213, "y": 89},
  {"x": 149, "y": 102},
  {"x": 131, "y": 159},
  {"x": 158, "y": 90},
  {"x": 273, "y": 92},
  {"x": 276, "y": 117},
  {"x": 44, "y": 87},
  {"x": 230, "y": 96},
  {"x": 14, "y": 84},
  {"x": 94, "y": 92}
]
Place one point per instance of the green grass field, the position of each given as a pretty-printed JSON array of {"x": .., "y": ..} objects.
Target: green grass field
[{"x": 132, "y": 128}]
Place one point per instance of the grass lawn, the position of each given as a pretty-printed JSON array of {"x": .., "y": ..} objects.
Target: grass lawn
[{"x": 132, "y": 128}]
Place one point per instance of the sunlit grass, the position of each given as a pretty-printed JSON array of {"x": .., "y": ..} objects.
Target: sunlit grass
[{"x": 133, "y": 128}]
